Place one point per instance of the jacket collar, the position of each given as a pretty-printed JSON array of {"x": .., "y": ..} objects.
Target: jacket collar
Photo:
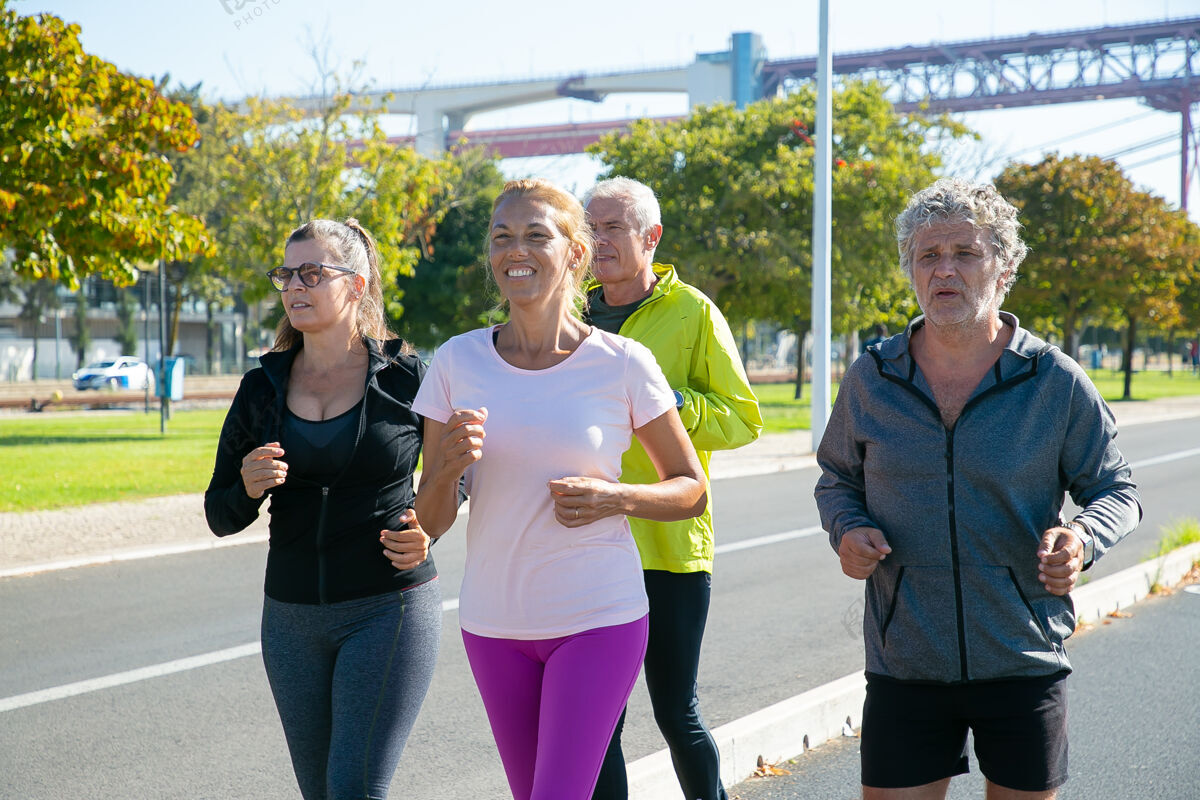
[
  {"x": 668, "y": 280},
  {"x": 894, "y": 356},
  {"x": 277, "y": 364}
]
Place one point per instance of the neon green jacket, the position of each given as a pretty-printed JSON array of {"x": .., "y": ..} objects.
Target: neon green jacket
[{"x": 696, "y": 351}]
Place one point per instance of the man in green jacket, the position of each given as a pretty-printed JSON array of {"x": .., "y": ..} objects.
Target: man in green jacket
[{"x": 638, "y": 298}]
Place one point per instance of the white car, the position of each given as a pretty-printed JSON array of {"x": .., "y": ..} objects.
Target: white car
[{"x": 123, "y": 372}]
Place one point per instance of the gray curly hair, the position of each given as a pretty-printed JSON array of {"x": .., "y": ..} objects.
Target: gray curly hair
[{"x": 958, "y": 200}]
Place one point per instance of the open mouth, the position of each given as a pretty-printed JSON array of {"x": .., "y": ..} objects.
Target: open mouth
[{"x": 518, "y": 272}]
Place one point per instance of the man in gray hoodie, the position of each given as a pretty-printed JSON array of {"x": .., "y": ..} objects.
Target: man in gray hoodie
[{"x": 945, "y": 466}]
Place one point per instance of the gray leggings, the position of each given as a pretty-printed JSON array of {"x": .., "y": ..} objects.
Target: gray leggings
[{"x": 348, "y": 680}]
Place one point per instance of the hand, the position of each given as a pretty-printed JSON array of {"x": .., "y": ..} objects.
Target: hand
[
  {"x": 406, "y": 548},
  {"x": 861, "y": 550},
  {"x": 582, "y": 501},
  {"x": 461, "y": 443},
  {"x": 261, "y": 469},
  {"x": 1060, "y": 560}
]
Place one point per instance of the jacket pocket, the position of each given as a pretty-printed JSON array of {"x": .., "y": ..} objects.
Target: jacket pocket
[
  {"x": 916, "y": 628},
  {"x": 1008, "y": 634},
  {"x": 891, "y": 611}
]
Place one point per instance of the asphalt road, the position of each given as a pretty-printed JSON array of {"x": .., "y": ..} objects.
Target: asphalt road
[
  {"x": 783, "y": 620},
  {"x": 1132, "y": 718}
]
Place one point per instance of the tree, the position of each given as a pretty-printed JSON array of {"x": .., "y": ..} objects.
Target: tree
[
  {"x": 1100, "y": 250},
  {"x": 127, "y": 335},
  {"x": 736, "y": 189},
  {"x": 444, "y": 296},
  {"x": 1189, "y": 292},
  {"x": 1072, "y": 209},
  {"x": 82, "y": 339},
  {"x": 1157, "y": 255},
  {"x": 83, "y": 184},
  {"x": 38, "y": 296},
  {"x": 262, "y": 170}
]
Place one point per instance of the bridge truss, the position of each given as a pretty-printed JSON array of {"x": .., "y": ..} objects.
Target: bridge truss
[{"x": 1158, "y": 63}]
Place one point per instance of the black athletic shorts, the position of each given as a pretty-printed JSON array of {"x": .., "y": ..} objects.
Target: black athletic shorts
[{"x": 916, "y": 733}]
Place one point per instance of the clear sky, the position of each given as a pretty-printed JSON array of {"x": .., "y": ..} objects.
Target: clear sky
[{"x": 267, "y": 46}]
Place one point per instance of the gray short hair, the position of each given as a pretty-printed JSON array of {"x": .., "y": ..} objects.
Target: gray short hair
[
  {"x": 645, "y": 205},
  {"x": 957, "y": 200}
]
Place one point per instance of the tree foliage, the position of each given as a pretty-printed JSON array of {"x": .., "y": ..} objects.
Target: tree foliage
[
  {"x": 736, "y": 189},
  {"x": 263, "y": 169},
  {"x": 1073, "y": 210},
  {"x": 1100, "y": 250},
  {"x": 446, "y": 296},
  {"x": 83, "y": 180}
]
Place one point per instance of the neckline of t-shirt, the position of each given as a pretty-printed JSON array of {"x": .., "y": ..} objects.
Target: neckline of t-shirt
[{"x": 491, "y": 345}]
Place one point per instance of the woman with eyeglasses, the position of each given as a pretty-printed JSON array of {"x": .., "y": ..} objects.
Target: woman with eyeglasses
[
  {"x": 352, "y": 611},
  {"x": 537, "y": 413}
]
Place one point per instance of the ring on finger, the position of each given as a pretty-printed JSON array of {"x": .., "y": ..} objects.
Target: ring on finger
[{"x": 577, "y": 513}]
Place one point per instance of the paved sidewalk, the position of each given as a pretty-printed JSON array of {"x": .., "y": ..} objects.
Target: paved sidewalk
[
  {"x": 1131, "y": 717},
  {"x": 39, "y": 540}
]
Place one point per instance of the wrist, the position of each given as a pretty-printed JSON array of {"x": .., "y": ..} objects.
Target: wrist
[{"x": 1084, "y": 534}]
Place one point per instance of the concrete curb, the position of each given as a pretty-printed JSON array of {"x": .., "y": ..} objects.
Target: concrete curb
[
  {"x": 1094, "y": 601},
  {"x": 797, "y": 724}
]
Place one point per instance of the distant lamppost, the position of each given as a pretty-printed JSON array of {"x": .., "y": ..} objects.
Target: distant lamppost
[{"x": 146, "y": 337}]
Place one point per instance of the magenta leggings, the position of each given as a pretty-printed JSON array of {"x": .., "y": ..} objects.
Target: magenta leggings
[{"x": 553, "y": 703}]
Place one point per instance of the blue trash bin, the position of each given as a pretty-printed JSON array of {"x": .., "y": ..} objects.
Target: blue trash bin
[{"x": 170, "y": 382}]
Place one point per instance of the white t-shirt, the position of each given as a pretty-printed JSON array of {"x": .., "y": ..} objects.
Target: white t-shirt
[{"x": 527, "y": 576}]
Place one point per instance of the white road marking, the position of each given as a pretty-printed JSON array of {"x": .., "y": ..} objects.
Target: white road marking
[
  {"x": 131, "y": 676},
  {"x": 773, "y": 538},
  {"x": 134, "y": 555},
  {"x": 1163, "y": 459},
  {"x": 253, "y": 648},
  {"x": 144, "y": 673}
]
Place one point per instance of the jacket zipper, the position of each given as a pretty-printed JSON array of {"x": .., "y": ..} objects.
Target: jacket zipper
[
  {"x": 322, "y": 594},
  {"x": 956, "y": 568}
]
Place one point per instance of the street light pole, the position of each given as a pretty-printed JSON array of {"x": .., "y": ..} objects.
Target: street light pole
[
  {"x": 822, "y": 227},
  {"x": 162, "y": 347},
  {"x": 145, "y": 276},
  {"x": 58, "y": 344}
]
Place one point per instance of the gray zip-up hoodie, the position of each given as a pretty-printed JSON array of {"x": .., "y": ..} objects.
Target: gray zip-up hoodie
[{"x": 958, "y": 599}]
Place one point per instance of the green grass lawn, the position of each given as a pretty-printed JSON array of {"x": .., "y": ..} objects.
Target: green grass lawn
[
  {"x": 782, "y": 413},
  {"x": 1148, "y": 385},
  {"x": 56, "y": 460}
]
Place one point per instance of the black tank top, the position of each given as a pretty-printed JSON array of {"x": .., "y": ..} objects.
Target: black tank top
[{"x": 319, "y": 451}]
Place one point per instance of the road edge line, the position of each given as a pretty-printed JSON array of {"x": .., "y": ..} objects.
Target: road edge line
[{"x": 131, "y": 555}]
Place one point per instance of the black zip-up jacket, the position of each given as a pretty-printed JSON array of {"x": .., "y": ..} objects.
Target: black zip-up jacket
[{"x": 324, "y": 540}]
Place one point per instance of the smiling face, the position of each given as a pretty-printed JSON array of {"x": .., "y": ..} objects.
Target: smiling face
[
  {"x": 331, "y": 303},
  {"x": 957, "y": 274},
  {"x": 531, "y": 258}
]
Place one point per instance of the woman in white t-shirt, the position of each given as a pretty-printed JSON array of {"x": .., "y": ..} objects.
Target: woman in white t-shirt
[{"x": 536, "y": 414}]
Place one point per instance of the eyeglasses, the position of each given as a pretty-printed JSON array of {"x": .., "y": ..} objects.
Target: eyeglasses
[{"x": 310, "y": 274}]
